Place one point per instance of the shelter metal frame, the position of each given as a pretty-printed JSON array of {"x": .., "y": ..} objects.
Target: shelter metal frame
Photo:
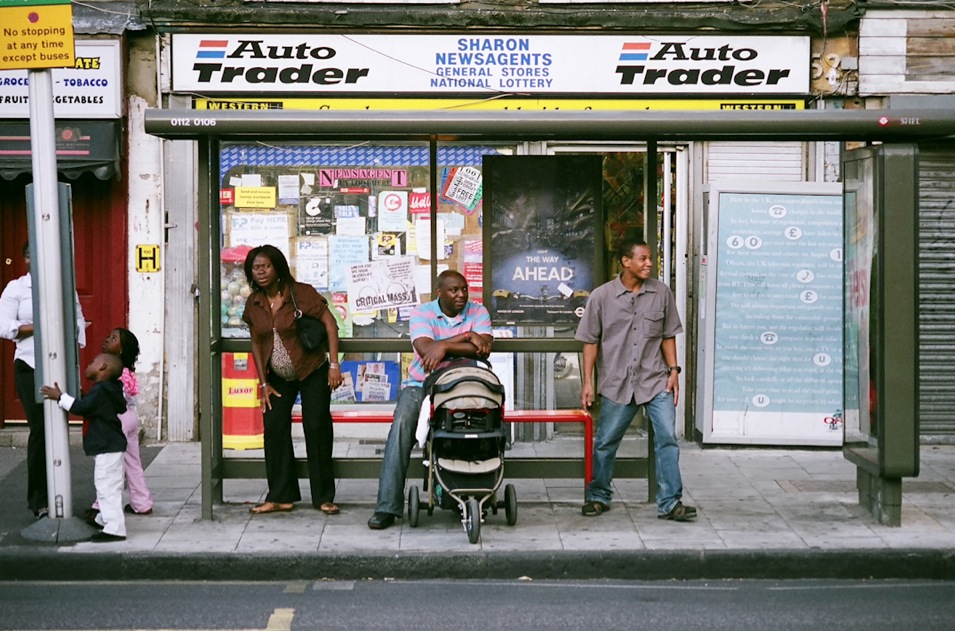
[{"x": 209, "y": 128}]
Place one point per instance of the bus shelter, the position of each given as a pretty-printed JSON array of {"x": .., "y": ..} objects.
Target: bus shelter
[{"x": 880, "y": 242}]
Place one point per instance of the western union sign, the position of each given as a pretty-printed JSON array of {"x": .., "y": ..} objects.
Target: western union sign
[{"x": 352, "y": 104}]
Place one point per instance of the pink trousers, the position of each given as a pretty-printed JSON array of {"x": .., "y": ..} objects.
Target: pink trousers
[{"x": 139, "y": 496}]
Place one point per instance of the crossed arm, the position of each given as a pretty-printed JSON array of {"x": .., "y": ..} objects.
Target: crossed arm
[{"x": 469, "y": 344}]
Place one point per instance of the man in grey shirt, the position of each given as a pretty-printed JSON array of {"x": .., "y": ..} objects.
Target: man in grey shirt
[{"x": 629, "y": 330}]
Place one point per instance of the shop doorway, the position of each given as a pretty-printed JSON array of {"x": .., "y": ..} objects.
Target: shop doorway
[
  {"x": 99, "y": 226},
  {"x": 624, "y": 194}
]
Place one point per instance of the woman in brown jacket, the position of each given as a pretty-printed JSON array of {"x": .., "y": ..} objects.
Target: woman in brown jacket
[{"x": 286, "y": 369}]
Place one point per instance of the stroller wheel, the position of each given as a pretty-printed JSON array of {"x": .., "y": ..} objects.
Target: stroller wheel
[
  {"x": 472, "y": 520},
  {"x": 413, "y": 506},
  {"x": 510, "y": 504}
]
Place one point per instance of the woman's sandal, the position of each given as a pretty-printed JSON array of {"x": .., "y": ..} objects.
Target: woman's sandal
[
  {"x": 592, "y": 509},
  {"x": 329, "y": 508},
  {"x": 271, "y": 507}
]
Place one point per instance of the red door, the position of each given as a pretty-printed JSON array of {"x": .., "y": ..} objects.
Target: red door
[{"x": 99, "y": 227}]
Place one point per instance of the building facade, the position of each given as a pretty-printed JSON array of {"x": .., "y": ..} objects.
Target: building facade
[{"x": 424, "y": 55}]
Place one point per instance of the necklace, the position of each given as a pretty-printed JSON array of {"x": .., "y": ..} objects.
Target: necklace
[{"x": 272, "y": 301}]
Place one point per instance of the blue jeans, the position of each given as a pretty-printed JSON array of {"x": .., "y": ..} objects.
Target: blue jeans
[
  {"x": 394, "y": 466},
  {"x": 612, "y": 424}
]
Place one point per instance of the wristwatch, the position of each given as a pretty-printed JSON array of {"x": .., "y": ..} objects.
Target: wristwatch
[{"x": 676, "y": 368}]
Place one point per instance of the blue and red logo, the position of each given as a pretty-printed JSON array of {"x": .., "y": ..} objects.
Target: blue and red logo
[
  {"x": 212, "y": 49},
  {"x": 635, "y": 51}
]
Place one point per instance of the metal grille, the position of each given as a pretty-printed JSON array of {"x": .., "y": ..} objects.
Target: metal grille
[
  {"x": 779, "y": 161},
  {"x": 937, "y": 294},
  {"x": 312, "y": 154}
]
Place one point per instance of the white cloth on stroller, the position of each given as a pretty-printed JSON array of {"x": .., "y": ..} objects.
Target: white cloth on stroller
[{"x": 421, "y": 432}]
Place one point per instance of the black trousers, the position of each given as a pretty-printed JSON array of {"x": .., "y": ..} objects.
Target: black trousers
[
  {"x": 319, "y": 436},
  {"x": 23, "y": 376}
]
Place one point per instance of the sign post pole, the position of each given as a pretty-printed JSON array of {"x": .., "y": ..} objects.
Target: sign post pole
[
  {"x": 51, "y": 355},
  {"x": 37, "y": 35}
]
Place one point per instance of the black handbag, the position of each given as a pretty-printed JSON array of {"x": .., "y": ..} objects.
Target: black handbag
[{"x": 311, "y": 331}]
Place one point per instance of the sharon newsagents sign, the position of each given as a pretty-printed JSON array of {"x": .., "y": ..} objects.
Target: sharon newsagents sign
[{"x": 537, "y": 64}]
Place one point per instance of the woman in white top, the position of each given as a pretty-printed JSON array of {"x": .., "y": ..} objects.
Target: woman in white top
[{"x": 16, "y": 323}]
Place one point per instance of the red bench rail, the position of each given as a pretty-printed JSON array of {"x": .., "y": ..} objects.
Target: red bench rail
[{"x": 562, "y": 416}]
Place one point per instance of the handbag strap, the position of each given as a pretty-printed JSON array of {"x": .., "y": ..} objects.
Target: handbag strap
[{"x": 298, "y": 312}]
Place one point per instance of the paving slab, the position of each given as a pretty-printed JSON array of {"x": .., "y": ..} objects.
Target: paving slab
[{"x": 763, "y": 512}]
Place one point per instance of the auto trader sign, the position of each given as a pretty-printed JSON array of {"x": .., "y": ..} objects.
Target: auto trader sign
[{"x": 490, "y": 64}]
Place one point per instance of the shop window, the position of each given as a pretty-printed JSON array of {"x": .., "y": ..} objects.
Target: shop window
[{"x": 347, "y": 216}]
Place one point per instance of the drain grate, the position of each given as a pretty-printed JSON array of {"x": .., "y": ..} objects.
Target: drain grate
[{"x": 847, "y": 486}]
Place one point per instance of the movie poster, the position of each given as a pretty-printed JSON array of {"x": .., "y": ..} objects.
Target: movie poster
[{"x": 541, "y": 219}]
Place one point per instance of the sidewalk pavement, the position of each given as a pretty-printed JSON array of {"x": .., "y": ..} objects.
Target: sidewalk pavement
[{"x": 763, "y": 513}]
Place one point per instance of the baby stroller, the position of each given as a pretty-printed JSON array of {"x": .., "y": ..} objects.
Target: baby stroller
[{"x": 464, "y": 451}]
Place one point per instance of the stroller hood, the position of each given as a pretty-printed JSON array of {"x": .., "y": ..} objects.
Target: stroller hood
[{"x": 466, "y": 388}]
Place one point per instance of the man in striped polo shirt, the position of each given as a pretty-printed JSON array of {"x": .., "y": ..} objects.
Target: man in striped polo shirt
[{"x": 450, "y": 326}]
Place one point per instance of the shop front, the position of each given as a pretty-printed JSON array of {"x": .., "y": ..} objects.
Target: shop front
[
  {"x": 353, "y": 203},
  {"x": 89, "y": 137}
]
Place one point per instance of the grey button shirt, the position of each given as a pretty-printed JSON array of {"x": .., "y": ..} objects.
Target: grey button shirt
[{"x": 629, "y": 329}]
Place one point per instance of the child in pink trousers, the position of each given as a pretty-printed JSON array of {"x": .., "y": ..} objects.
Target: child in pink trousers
[{"x": 122, "y": 343}]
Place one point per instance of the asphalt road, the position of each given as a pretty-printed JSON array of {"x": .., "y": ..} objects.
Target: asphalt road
[{"x": 525, "y": 605}]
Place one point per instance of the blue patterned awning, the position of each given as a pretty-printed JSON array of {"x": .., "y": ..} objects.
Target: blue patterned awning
[{"x": 310, "y": 155}]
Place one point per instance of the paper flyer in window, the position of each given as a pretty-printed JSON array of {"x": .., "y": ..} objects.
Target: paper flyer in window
[
  {"x": 474, "y": 277},
  {"x": 311, "y": 261},
  {"x": 255, "y": 197},
  {"x": 423, "y": 239},
  {"x": 370, "y": 372},
  {"x": 388, "y": 245},
  {"x": 343, "y": 252},
  {"x": 345, "y": 393},
  {"x": 288, "y": 189},
  {"x": 393, "y": 211},
  {"x": 464, "y": 187},
  {"x": 339, "y": 302},
  {"x": 258, "y": 228},
  {"x": 382, "y": 284},
  {"x": 419, "y": 202},
  {"x": 316, "y": 216},
  {"x": 376, "y": 392},
  {"x": 473, "y": 251}
]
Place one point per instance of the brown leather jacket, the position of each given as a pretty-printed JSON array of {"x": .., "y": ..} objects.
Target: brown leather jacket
[{"x": 258, "y": 315}]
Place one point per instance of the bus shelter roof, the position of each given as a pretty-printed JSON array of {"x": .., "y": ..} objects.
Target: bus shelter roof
[{"x": 567, "y": 125}]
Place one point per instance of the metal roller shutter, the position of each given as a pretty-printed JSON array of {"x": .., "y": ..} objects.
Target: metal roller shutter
[
  {"x": 937, "y": 294},
  {"x": 779, "y": 161}
]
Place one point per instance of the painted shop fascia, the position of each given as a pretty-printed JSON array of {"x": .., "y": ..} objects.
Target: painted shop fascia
[{"x": 775, "y": 16}]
